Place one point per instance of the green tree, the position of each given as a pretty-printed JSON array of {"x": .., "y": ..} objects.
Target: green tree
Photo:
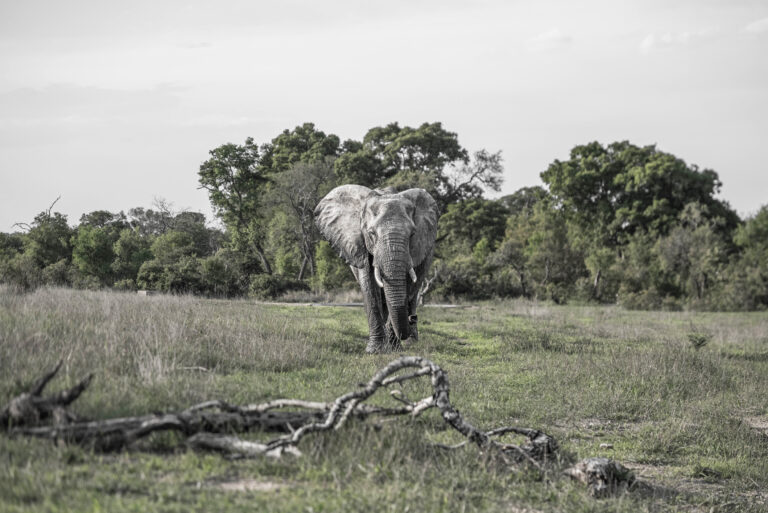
[
  {"x": 173, "y": 245},
  {"x": 609, "y": 193},
  {"x": 358, "y": 165},
  {"x": 522, "y": 201},
  {"x": 693, "y": 253},
  {"x": 104, "y": 219},
  {"x": 744, "y": 282},
  {"x": 466, "y": 223},
  {"x": 150, "y": 222},
  {"x": 297, "y": 192},
  {"x": 428, "y": 157},
  {"x": 554, "y": 265},
  {"x": 11, "y": 244},
  {"x": 427, "y": 148},
  {"x": 92, "y": 245},
  {"x": 204, "y": 239},
  {"x": 48, "y": 239},
  {"x": 221, "y": 276},
  {"x": 25, "y": 257},
  {"x": 303, "y": 144},
  {"x": 468, "y": 233},
  {"x": 616, "y": 190},
  {"x": 175, "y": 267},
  {"x": 236, "y": 182},
  {"x": 131, "y": 251},
  {"x": 92, "y": 252},
  {"x": 332, "y": 273}
]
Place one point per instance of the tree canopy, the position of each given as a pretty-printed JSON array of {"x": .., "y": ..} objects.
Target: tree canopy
[{"x": 615, "y": 223}]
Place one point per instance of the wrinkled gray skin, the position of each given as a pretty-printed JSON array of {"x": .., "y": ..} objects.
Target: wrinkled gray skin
[{"x": 387, "y": 238}]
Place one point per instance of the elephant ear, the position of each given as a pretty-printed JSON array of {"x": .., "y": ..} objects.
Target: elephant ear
[
  {"x": 425, "y": 218},
  {"x": 337, "y": 216}
]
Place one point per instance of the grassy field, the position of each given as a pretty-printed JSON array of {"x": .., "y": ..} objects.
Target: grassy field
[{"x": 692, "y": 422}]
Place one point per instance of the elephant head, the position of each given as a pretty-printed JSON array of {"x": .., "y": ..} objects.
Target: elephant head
[{"x": 388, "y": 235}]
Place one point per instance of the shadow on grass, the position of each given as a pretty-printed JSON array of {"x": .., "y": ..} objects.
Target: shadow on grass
[
  {"x": 543, "y": 341},
  {"x": 760, "y": 357},
  {"x": 348, "y": 341}
]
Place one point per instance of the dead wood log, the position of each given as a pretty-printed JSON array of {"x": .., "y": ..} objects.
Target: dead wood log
[
  {"x": 31, "y": 408},
  {"x": 115, "y": 434},
  {"x": 234, "y": 447},
  {"x": 209, "y": 424}
]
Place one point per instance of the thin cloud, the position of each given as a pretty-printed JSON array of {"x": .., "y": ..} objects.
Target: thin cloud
[
  {"x": 195, "y": 46},
  {"x": 551, "y": 38},
  {"x": 669, "y": 39},
  {"x": 757, "y": 27}
]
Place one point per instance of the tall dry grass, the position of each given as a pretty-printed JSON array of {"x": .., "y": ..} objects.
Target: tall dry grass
[{"x": 586, "y": 374}]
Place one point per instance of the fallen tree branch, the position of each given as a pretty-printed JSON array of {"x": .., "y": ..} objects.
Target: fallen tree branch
[
  {"x": 31, "y": 408},
  {"x": 208, "y": 425},
  {"x": 236, "y": 448},
  {"x": 538, "y": 447}
]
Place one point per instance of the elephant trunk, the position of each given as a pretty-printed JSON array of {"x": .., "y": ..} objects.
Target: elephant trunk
[{"x": 393, "y": 269}]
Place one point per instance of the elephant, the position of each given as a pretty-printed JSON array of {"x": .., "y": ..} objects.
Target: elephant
[{"x": 388, "y": 239}]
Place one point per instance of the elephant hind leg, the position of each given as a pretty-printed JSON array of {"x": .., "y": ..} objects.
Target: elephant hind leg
[{"x": 413, "y": 323}]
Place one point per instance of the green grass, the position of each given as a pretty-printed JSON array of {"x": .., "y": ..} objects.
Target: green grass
[{"x": 678, "y": 414}]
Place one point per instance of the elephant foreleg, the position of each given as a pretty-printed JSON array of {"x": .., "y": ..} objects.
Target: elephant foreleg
[{"x": 373, "y": 301}]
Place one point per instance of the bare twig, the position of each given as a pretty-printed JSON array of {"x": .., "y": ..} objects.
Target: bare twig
[
  {"x": 397, "y": 379},
  {"x": 40, "y": 384}
]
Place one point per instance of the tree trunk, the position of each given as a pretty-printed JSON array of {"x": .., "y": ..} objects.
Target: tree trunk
[
  {"x": 303, "y": 267},
  {"x": 263, "y": 258},
  {"x": 546, "y": 273},
  {"x": 596, "y": 286},
  {"x": 523, "y": 285}
]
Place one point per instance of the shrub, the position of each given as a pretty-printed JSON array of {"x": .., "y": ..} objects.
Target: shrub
[
  {"x": 127, "y": 284},
  {"x": 58, "y": 274},
  {"x": 221, "y": 277},
  {"x": 21, "y": 272},
  {"x": 269, "y": 286},
  {"x": 184, "y": 276},
  {"x": 151, "y": 275}
]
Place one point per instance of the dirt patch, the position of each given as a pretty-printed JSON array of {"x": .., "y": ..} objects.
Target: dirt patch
[
  {"x": 250, "y": 485},
  {"x": 596, "y": 428},
  {"x": 758, "y": 424},
  {"x": 645, "y": 472}
]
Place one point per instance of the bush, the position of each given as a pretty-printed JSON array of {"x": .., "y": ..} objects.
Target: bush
[
  {"x": 151, "y": 275},
  {"x": 58, "y": 274},
  {"x": 127, "y": 284},
  {"x": 81, "y": 280},
  {"x": 221, "y": 276},
  {"x": 269, "y": 286},
  {"x": 21, "y": 272},
  {"x": 184, "y": 276},
  {"x": 648, "y": 299}
]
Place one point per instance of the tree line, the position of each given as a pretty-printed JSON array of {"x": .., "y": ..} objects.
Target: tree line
[{"x": 615, "y": 223}]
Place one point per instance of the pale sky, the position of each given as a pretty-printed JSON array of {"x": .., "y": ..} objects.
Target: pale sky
[{"x": 111, "y": 104}]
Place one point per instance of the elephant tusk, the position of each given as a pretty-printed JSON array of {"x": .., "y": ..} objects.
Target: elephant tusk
[
  {"x": 412, "y": 274},
  {"x": 377, "y": 276}
]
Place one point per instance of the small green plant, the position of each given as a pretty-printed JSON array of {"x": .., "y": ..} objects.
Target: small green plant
[{"x": 699, "y": 339}]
